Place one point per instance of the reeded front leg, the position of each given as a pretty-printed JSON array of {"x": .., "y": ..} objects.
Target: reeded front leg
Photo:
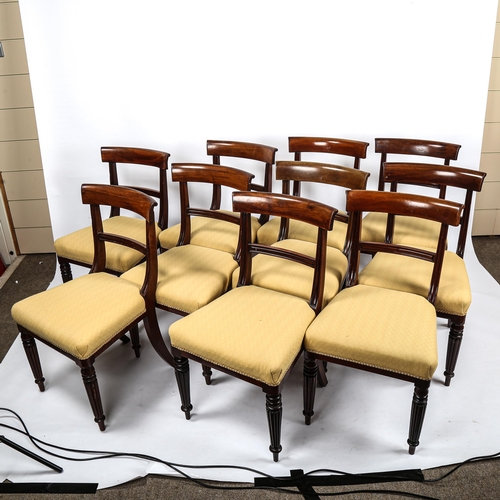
[
  {"x": 418, "y": 407},
  {"x": 136, "y": 341},
  {"x": 454, "y": 342},
  {"x": 207, "y": 373},
  {"x": 181, "y": 366},
  {"x": 65, "y": 268},
  {"x": 92, "y": 387},
  {"x": 34, "y": 360},
  {"x": 274, "y": 410},
  {"x": 309, "y": 387}
]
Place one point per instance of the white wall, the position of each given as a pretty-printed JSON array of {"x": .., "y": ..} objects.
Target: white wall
[{"x": 170, "y": 75}]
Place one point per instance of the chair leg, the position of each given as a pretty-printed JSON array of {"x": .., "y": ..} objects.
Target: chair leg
[
  {"x": 322, "y": 378},
  {"x": 454, "y": 343},
  {"x": 136, "y": 341},
  {"x": 207, "y": 373},
  {"x": 181, "y": 366},
  {"x": 65, "y": 268},
  {"x": 418, "y": 407},
  {"x": 91, "y": 386},
  {"x": 309, "y": 388},
  {"x": 274, "y": 410},
  {"x": 161, "y": 346},
  {"x": 34, "y": 360}
]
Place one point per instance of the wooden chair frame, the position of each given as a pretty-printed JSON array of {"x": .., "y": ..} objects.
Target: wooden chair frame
[
  {"x": 445, "y": 212},
  {"x": 446, "y": 151},
  {"x": 218, "y": 175},
  {"x": 245, "y": 150},
  {"x": 278, "y": 205},
  {"x": 440, "y": 177},
  {"x": 344, "y": 147},
  {"x": 294, "y": 173},
  {"x": 114, "y": 155},
  {"x": 143, "y": 205}
]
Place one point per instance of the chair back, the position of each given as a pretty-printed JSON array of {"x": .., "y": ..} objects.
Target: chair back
[
  {"x": 342, "y": 147},
  {"x": 446, "y": 151},
  {"x": 217, "y": 175},
  {"x": 97, "y": 195},
  {"x": 445, "y": 212},
  {"x": 139, "y": 156},
  {"x": 290, "y": 207},
  {"x": 439, "y": 177},
  {"x": 248, "y": 151},
  {"x": 297, "y": 172}
]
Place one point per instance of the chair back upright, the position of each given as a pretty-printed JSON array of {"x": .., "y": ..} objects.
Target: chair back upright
[
  {"x": 343, "y": 147},
  {"x": 248, "y": 151},
  {"x": 293, "y": 173},
  {"x": 282, "y": 205},
  {"x": 114, "y": 155},
  {"x": 185, "y": 173},
  {"x": 446, "y": 151},
  {"x": 97, "y": 195},
  {"x": 439, "y": 177},
  {"x": 445, "y": 212}
]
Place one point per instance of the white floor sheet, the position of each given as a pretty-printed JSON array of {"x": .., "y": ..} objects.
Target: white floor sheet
[{"x": 360, "y": 422}]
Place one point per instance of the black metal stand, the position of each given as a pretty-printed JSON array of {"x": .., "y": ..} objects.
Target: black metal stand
[{"x": 30, "y": 454}]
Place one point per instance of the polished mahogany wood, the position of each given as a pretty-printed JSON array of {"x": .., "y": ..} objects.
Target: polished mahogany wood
[
  {"x": 446, "y": 151},
  {"x": 439, "y": 177},
  {"x": 217, "y": 175},
  {"x": 97, "y": 196},
  {"x": 359, "y": 202},
  {"x": 115, "y": 155},
  {"x": 344, "y": 147},
  {"x": 261, "y": 153},
  {"x": 292, "y": 207}
]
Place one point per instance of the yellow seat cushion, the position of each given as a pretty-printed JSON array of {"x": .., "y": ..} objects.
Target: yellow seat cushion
[
  {"x": 411, "y": 231},
  {"x": 414, "y": 275},
  {"x": 380, "y": 328},
  {"x": 79, "y": 245},
  {"x": 250, "y": 330},
  {"x": 82, "y": 315},
  {"x": 211, "y": 233},
  {"x": 189, "y": 276},
  {"x": 298, "y": 230},
  {"x": 293, "y": 278}
]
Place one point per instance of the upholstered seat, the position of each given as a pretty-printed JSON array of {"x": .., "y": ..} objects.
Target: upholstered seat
[
  {"x": 209, "y": 233},
  {"x": 250, "y": 349},
  {"x": 78, "y": 247},
  {"x": 106, "y": 306},
  {"x": 405, "y": 346},
  {"x": 251, "y": 332},
  {"x": 218, "y": 234},
  {"x": 293, "y": 278},
  {"x": 81, "y": 318},
  {"x": 382, "y": 330},
  {"x": 399, "y": 272},
  {"x": 189, "y": 277},
  {"x": 269, "y": 232},
  {"x": 402, "y": 273},
  {"x": 407, "y": 230}
]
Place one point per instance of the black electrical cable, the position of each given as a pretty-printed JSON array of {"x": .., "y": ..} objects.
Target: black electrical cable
[{"x": 202, "y": 482}]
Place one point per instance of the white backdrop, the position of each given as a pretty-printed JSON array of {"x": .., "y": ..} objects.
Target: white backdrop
[{"x": 170, "y": 75}]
